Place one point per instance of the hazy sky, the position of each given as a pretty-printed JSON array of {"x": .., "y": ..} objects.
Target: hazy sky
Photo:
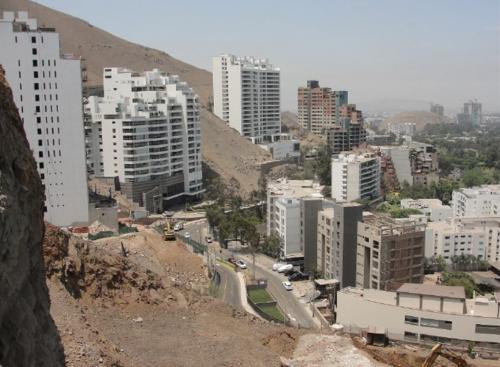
[{"x": 394, "y": 54}]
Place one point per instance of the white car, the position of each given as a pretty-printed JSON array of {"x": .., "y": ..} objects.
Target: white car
[
  {"x": 178, "y": 226},
  {"x": 209, "y": 239},
  {"x": 287, "y": 285},
  {"x": 285, "y": 268},
  {"x": 187, "y": 235},
  {"x": 241, "y": 264},
  {"x": 276, "y": 266}
]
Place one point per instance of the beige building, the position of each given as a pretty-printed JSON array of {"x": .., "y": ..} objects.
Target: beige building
[
  {"x": 422, "y": 313},
  {"x": 389, "y": 252}
]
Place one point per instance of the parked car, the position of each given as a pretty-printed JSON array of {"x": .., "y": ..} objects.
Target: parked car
[
  {"x": 276, "y": 266},
  {"x": 232, "y": 260},
  {"x": 178, "y": 226},
  {"x": 241, "y": 264},
  {"x": 187, "y": 235},
  {"x": 285, "y": 268},
  {"x": 287, "y": 285},
  {"x": 209, "y": 239},
  {"x": 298, "y": 276}
]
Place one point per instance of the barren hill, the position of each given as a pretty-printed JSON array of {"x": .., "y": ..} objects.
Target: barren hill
[
  {"x": 224, "y": 150},
  {"x": 420, "y": 118},
  {"x": 290, "y": 123}
]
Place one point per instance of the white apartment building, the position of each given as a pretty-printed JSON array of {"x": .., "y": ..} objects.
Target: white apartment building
[
  {"x": 282, "y": 147},
  {"x": 284, "y": 210},
  {"x": 355, "y": 176},
  {"x": 247, "y": 94},
  {"x": 402, "y": 128},
  {"x": 478, "y": 236},
  {"x": 47, "y": 90},
  {"x": 482, "y": 201},
  {"x": 287, "y": 225},
  {"x": 146, "y": 131},
  {"x": 433, "y": 209},
  {"x": 422, "y": 313}
]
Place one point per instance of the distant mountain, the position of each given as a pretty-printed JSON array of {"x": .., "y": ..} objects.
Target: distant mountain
[
  {"x": 419, "y": 118},
  {"x": 227, "y": 153}
]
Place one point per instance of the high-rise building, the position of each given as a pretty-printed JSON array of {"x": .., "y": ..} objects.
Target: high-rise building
[
  {"x": 146, "y": 131},
  {"x": 315, "y": 107},
  {"x": 319, "y": 107},
  {"x": 309, "y": 209},
  {"x": 473, "y": 110},
  {"x": 437, "y": 109},
  {"x": 47, "y": 90},
  {"x": 389, "y": 252},
  {"x": 337, "y": 242},
  {"x": 247, "y": 95},
  {"x": 481, "y": 201},
  {"x": 355, "y": 176}
]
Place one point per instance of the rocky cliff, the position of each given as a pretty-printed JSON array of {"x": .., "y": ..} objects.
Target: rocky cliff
[{"x": 28, "y": 336}]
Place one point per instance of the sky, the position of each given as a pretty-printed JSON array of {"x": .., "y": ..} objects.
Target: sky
[{"x": 390, "y": 55}]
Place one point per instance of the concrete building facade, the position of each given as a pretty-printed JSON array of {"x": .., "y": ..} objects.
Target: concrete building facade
[
  {"x": 478, "y": 236},
  {"x": 287, "y": 226},
  {"x": 422, "y": 313},
  {"x": 47, "y": 90},
  {"x": 247, "y": 95},
  {"x": 355, "y": 176},
  {"x": 479, "y": 201},
  {"x": 337, "y": 242},
  {"x": 389, "y": 252},
  {"x": 345, "y": 136},
  {"x": 146, "y": 131}
]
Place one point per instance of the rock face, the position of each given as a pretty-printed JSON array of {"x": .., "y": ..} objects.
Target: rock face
[{"x": 28, "y": 336}]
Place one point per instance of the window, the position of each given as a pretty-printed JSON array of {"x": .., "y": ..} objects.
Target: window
[
  {"x": 33, "y": 39},
  {"x": 40, "y": 143},
  {"x": 37, "y": 109},
  {"x": 410, "y": 336},
  {"x": 40, "y": 154},
  {"x": 488, "y": 329},
  {"x": 39, "y": 131},
  {"x": 38, "y": 119},
  {"x": 33, "y": 51},
  {"x": 40, "y": 165},
  {"x": 440, "y": 324},
  {"x": 37, "y": 97},
  {"x": 36, "y": 86}
]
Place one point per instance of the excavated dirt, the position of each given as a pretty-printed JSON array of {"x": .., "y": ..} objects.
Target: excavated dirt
[{"x": 149, "y": 308}]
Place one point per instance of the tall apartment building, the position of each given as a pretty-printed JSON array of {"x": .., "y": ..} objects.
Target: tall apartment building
[
  {"x": 309, "y": 209},
  {"x": 355, "y": 176},
  {"x": 247, "y": 95},
  {"x": 287, "y": 226},
  {"x": 47, "y": 90},
  {"x": 481, "y": 201},
  {"x": 345, "y": 136},
  {"x": 337, "y": 242},
  {"x": 315, "y": 107},
  {"x": 477, "y": 236},
  {"x": 473, "y": 111},
  {"x": 146, "y": 131},
  {"x": 437, "y": 109},
  {"x": 389, "y": 252}
]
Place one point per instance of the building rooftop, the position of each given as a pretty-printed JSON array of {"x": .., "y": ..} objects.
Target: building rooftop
[
  {"x": 295, "y": 188},
  {"x": 324, "y": 282},
  {"x": 353, "y": 157},
  {"x": 480, "y": 190},
  {"x": 433, "y": 290},
  {"x": 423, "y": 203}
]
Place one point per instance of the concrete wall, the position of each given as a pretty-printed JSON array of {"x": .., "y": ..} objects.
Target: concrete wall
[{"x": 358, "y": 312}]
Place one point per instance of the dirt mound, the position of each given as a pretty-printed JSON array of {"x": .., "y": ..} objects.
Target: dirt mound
[
  {"x": 84, "y": 269},
  {"x": 282, "y": 342}
]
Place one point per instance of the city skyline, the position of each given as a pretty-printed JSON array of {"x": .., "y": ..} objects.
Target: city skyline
[{"x": 401, "y": 59}]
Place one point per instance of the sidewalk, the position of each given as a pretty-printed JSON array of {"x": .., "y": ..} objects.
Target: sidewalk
[{"x": 243, "y": 295}]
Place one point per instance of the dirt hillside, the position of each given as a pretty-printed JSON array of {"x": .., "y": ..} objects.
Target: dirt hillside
[
  {"x": 225, "y": 151},
  {"x": 149, "y": 308},
  {"x": 291, "y": 125},
  {"x": 419, "y": 118}
]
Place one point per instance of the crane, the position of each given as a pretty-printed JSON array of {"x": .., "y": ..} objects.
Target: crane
[{"x": 437, "y": 351}]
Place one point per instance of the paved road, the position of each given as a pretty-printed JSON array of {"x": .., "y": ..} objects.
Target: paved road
[
  {"x": 229, "y": 286},
  {"x": 286, "y": 300}
]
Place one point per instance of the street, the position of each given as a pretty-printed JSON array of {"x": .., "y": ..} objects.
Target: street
[{"x": 296, "y": 311}]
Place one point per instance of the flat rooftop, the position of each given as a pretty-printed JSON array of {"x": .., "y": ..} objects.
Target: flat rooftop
[
  {"x": 433, "y": 290},
  {"x": 295, "y": 188}
]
